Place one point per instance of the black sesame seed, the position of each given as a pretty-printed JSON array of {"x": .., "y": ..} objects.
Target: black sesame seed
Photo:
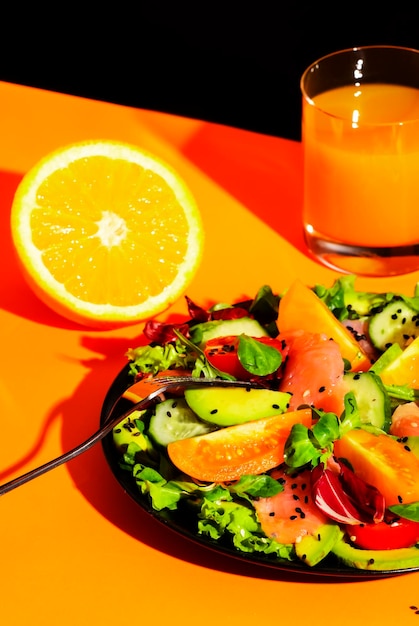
[
  {"x": 272, "y": 514},
  {"x": 214, "y": 411},
  {"x": 293, "y": 517},
  {"x": 168, "y": 413},
  {"x": 407, "y": 448},
  {"x": 322, "y": 389},
  {"x": 275, "y": 406},
  {"x": 294, "y": 486},
  {"x": 400, "y": 499},
  {"x": 371, "y": 561},
  {"x": 295, "y": 497}
]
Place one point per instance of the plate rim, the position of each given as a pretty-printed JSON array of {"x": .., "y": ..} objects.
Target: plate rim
[{"x": 109, "y": 406}]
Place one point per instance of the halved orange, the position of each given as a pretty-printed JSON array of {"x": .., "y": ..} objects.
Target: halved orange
[{"x": 107, "y": 234}]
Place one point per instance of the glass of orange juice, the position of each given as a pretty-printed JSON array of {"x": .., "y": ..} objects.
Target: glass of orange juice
[{"x": 360, "y": 135}]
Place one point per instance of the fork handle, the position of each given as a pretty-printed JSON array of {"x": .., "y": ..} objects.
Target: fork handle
[{"x": 100, "y": 434}]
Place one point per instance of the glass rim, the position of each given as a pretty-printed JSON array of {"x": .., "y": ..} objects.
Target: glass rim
[{"x": 342, "y": 52}]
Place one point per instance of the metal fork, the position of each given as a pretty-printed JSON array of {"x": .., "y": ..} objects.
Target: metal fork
[{"x": 165, "y": 384}]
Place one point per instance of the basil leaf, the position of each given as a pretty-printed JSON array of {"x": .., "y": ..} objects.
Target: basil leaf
[
  {"x": 408, "y": 511},
  {"x": 326, "y": 430},
  {"x": 261, "y": 486},
  {"x": 256, "y": 357},
  {"x": 300, "y": 447},
  {"x": 265, "y": 307}
]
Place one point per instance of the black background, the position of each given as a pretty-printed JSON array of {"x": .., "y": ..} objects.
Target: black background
[{"x": 230, "y": 62}]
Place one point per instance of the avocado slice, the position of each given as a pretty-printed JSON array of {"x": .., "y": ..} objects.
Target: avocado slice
[
  {"x": 376, "y": 560},
  {"x": 127, "y": 432},
  {"x": 201, "y": 333},
  {"x": 229, "y": 406},
  {"x": 412, "y": 443},
  {"x": 314, "y": 548}
]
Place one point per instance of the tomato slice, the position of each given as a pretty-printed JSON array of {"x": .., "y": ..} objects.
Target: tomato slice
[
  {"x": 222, "y": 353},
  {"x": 143, "y": 387},
  {"x": 383, "y": 462},
  {"x": 394, "y": 532},
  {"x": 228, "y": 453},
  {"x": 301, "y": 309},
  {"x": 405, "y": 420}
]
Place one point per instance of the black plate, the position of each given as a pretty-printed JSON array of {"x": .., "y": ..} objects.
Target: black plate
[{"x": 181, "y": 523}]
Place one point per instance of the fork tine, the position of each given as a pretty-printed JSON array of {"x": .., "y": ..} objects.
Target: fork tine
[{"x": 187, "y": 381}]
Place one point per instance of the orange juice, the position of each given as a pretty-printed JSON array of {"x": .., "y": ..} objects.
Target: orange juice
[{"x": 361, "y": 165}]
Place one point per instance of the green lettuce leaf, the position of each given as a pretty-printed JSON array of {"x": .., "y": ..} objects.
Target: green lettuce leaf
[
  {"x": 238, "y": 523},
  {"x": 153, "y": 359}
]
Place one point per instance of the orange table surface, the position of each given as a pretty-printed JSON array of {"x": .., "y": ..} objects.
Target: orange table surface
[{"x": 74, "y": 547}]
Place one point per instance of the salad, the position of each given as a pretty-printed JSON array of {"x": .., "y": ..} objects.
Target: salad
[{"x": 319, "y": 463}]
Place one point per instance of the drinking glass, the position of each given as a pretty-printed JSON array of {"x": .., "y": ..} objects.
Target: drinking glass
[{"x": 360, "y": 135}]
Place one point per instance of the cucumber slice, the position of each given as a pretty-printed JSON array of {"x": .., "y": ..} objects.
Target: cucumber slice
[
  {"x": 372, "y": 399},
  {"x": 173, "y": 420},
  {"x": 201, "y": 333},
  {"x": 396, "y": 323}
]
